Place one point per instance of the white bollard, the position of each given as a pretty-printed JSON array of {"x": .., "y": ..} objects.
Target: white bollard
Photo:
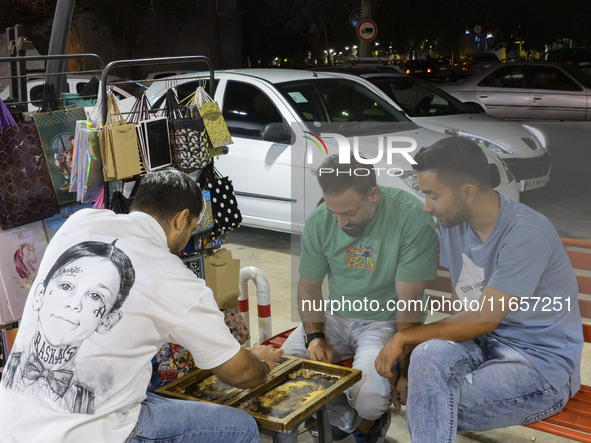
[{"x": 263, "y": 300}]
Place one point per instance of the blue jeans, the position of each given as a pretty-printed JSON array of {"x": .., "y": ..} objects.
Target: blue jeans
[
  {"x": 180, "y": 421},
  {"x": 362, "y": 339},
  {"x": 474, "y": 385}
]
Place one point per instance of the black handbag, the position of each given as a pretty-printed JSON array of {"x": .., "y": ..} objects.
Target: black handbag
[
  {"x": 190, "y": 144},
  {"x": 226, "y": 214}
]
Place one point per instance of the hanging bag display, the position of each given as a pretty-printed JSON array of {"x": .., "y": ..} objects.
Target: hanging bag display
[
  {"x": 190, "y": 145},
  {"x": 216, "y": 128}
]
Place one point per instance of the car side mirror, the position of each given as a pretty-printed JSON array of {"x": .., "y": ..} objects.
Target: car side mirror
[{"x": 276, "y": 132}]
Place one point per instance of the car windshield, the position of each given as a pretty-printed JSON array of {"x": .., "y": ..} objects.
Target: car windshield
[
  {"x": 323, "y": 101},
  {"x": 419, "y": 98}
]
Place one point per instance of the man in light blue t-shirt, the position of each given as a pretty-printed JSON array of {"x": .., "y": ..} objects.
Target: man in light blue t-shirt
[{"x": 512, "y": 355}]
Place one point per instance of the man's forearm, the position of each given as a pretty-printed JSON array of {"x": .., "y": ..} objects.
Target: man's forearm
[{"x": 310, "y": 305}]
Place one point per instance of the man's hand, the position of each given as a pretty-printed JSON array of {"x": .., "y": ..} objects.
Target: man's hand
[
  {"x": 267, "y": 353},
  {"x": 319, "y": 350},
  {"x": 388, "y": 356},
  {"x": 400, "y": 392}
]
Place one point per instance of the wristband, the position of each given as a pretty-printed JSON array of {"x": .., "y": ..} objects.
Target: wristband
[
  {"x": 309, "y": 337},
  {"x": 267, "y": 365}
]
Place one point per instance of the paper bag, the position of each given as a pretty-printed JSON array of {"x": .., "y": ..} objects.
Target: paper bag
[{"x": 222, "y": 275}]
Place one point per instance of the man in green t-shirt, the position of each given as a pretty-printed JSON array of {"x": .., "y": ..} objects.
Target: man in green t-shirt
[{"x": 378, "y": 250}]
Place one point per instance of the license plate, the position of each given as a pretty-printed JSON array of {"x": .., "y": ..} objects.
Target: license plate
[{"x": 533, "y": 183}]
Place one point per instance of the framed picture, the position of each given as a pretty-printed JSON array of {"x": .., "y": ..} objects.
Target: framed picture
[{"x": 195, "y": 263}]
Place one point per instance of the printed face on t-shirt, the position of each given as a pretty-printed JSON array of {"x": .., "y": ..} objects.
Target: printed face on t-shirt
[{"x": 77, "y": 299}]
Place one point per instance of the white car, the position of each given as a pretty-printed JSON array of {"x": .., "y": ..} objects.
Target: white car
[
  {"x": 283, "y": 124},
  {"x": 74, "y": 84},
  {"x": 520, "y": 146}
]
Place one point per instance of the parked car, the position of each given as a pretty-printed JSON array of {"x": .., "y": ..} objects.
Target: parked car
[
  {"x": 426, "y": 69},
  {"x": 283, "y": 124},
  {"x": 470, "y": 64},
  {"x": 528, "y": 91},
  {"x": 75, "y": 84},
  {"x": 520, "y": 146}
]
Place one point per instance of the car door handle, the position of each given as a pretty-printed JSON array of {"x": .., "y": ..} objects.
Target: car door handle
[
  {"x": 484, "y": 96},
  {"x": 537, "y": 98}
]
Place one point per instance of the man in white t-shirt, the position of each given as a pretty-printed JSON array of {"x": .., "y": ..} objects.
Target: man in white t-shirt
[{"x": 110, "y": 292}]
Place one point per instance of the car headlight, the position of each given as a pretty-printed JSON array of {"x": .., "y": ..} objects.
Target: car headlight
[
  {"x": 411, "y": 178},
  {"x": 538, "y": 136},
  {"x": 482, "y": 142},
  {"x": 510, "y": 176}
]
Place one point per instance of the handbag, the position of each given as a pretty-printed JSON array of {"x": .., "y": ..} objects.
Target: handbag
[
  {"x": 190, "y": 145},
  {"x": 226, "y": 214},
  {"x": 26, "y": 190},
  {"x": 216, "y": 128},
  {"x": 6, "y": 118},
  {"x": 86, "y": 178},
  {"x": 57, "y": 130},
  {"x": 205, "y": 223},
  {"x": 119, "y": 145}
]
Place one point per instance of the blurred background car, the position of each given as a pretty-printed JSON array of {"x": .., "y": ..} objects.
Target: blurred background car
[
  {"x": 520, "y": 146},
  {"x": 528, "y": 91},
  {"x": 74, "y": 84},
  {"x": 470, "y": 64},
  {"x": 281, "y": 122}
]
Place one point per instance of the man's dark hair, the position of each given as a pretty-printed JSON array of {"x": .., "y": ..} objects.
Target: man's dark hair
[
  {"x": 456, "y": 160},
  {"x": 335, "y": 178},
  {"x": 102, "y": 250},
  {"x": 163, "y": 194}
]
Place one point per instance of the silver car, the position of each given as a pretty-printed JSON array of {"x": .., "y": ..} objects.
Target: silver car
[
  {"x": 528, "y": 91},
  {"x": 520, "y": 146}
]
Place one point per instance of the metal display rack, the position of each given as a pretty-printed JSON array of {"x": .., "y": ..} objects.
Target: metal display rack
[{"x": 22, "y": 77}]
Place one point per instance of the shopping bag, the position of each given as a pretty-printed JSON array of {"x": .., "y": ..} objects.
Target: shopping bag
[
  {"x": 6, "y": 118},
  {"x": 86, "y": 177},
  {"x": 57, "y": 133},
  {"x": 226, "y": 214},
  {"x": 26, "y": 191},
  {"x": 205, "y": 223},
  {"x": 216, "y": 128},
  {"x": 20, "y": 255},
  {"x": 173, "y": 362},
  {"x": 190, "y": 144},
  {"x": 119, "y": 144},
  {"x": 222, "y": 275}
]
